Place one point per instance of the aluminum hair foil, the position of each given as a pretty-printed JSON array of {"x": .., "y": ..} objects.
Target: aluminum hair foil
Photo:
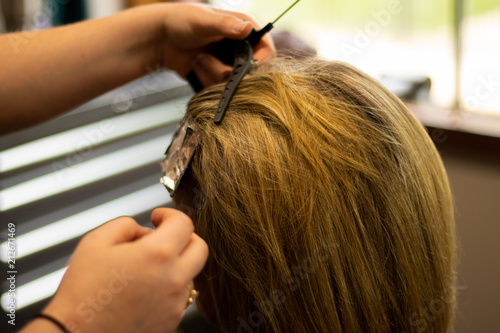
[{"x": 179, "y": 154}]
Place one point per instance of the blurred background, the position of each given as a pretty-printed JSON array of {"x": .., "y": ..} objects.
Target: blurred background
[{"x": 64, "y": 177}]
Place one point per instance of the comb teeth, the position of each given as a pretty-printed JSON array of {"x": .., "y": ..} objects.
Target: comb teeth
[{"x": 242, "y": 65}]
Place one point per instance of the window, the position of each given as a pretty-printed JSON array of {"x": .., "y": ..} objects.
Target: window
[
  {"x": 480, "y": 67},
  {"x": 453, "y": 42}
]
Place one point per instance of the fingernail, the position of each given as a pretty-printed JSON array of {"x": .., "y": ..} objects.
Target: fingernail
[{"x": 239, "y": 27}]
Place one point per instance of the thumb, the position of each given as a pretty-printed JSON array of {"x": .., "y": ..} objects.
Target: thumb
[{"x": 227, "y": 25}]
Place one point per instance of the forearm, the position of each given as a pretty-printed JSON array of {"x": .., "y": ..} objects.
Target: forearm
[
  {"x": 46, "y": 73},
  {"x": 43, "y": 74}
]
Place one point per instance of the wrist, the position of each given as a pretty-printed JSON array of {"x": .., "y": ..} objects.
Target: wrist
[
  {"x": 148, "y": 23},
  {"x": 66, "y": 314}
]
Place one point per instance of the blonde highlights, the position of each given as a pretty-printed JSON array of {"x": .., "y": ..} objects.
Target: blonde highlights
[{"x": 324, "y": 203}]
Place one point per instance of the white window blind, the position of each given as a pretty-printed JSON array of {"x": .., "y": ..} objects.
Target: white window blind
[{"x": 62, "y": 178}]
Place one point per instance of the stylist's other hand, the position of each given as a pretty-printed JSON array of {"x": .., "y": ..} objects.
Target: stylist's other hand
[
  {"x": 190, "y": 28},
  {"x": 126, "y": 278}
]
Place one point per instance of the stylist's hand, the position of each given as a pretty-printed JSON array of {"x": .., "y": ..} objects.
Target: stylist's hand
[
  {"x": 190, "y": 28},
  {"x": 126, "y": 278}
]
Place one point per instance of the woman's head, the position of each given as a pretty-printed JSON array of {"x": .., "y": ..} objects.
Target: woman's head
[{"x": 324, "y": 204}]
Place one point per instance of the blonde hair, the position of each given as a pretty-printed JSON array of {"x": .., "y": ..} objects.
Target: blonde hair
[{"x": 324, "y": 203}]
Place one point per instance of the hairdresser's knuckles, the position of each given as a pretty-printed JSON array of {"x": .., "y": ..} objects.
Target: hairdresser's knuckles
[
  {"x": 120, "y": 230},
  {"x": 160, "y": 215},
  {"x": 112, "y": 232}
]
